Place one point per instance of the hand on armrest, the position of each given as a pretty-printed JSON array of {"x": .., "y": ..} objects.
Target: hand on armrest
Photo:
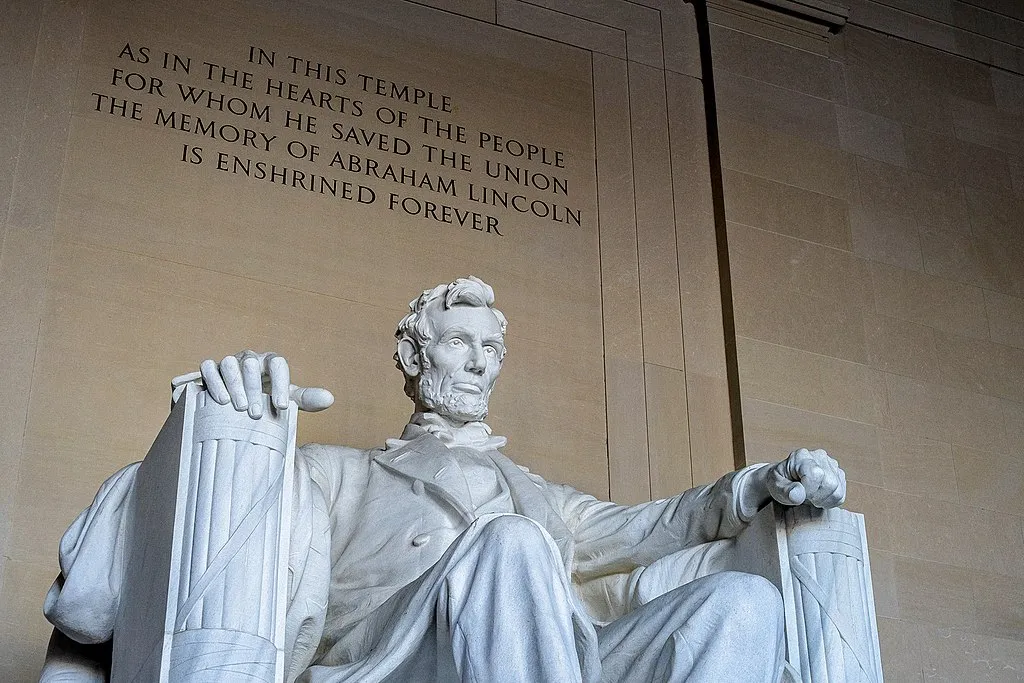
[
  {"x": 804, "y": 477},
  {"x": 241, "y": 378}
]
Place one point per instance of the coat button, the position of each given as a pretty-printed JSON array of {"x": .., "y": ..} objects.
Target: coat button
[
  {"x": 421, "y": 540},
  {"x": 417, "y": 487}
]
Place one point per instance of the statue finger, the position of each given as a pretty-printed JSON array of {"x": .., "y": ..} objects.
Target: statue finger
[
  {"x": 280, "y": 380},
  {"x": 796, "y": 461},
  {"x": 785, "y": 490},
  {"x": 829, "y": 498},
  {"x": 252, "y": 381},
  {"x": 796, "y": 493},
  {"x": 213, "y": 382},
  {"x": 810, "y": 474},
  {"x": 826, "y": 487},
  {"x": 838, "y": 495},
  {"x": 231, "y": 372},
  {"x": 834, "y": 500},
  {"x": 311, "y": 399}
]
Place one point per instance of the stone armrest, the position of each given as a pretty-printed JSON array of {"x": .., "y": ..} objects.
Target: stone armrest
[
  {"x": 818, "y": 559},
  {"x": 205, "y": 591}
]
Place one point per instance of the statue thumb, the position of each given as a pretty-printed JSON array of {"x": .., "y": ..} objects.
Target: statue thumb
[
  {"x": 796, "y": 493},
  {"x": 311, "y": 399},
  {"x": 782, "y": 487}
]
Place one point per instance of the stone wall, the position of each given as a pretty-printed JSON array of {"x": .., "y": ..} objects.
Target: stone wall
[
  {"x": 138, "y": 242},
  {"x": 875, "y": 205},
  {"x": 871, "y": 186}
]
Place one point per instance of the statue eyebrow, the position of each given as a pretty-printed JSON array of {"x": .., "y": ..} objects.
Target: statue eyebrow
[
  {"x": 456, "y": 330},
  {"x": 462, "y": 330}
]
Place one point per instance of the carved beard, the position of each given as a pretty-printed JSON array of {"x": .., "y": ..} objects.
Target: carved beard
[{"x": 454, "y": 405}]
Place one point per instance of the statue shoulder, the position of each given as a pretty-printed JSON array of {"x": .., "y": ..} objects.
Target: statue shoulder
[
  {"x": 321, "y": 451},
  {"x": 330, "y": 464}
]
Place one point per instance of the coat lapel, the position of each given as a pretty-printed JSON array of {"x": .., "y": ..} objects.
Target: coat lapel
[
  {"x": 427, "y": 460},
  {"x": 531, "y": 502}
]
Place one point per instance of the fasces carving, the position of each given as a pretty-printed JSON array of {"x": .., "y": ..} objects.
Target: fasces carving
[
  {"x": 437, "y": 558},
  {"x": 232, "y": 555},
  {"x": 834, "y": 635}
]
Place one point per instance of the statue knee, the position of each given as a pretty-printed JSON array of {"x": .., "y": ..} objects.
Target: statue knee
[{"x": 515, "y": 534}]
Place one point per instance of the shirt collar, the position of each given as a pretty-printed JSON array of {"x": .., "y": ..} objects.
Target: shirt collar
[{"x": 476, "y": 435}]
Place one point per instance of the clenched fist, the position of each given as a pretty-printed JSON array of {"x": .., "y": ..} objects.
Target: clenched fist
[{"x": 806, "y": 476}]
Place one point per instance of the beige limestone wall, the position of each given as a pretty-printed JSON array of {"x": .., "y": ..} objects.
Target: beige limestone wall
[
  {"x": 873, "y": 190},
  {"x": 123, "y": 263},
  {"x": 875, "y": 207}
]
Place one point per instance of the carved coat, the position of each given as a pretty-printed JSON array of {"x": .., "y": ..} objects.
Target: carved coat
[{"x": 368, "y": 522}]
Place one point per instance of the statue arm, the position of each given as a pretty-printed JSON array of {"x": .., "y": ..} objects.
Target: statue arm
[{"x": 612, "y": 538}]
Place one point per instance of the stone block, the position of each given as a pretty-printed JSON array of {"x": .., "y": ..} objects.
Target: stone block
[
  {"x": 561, "y": 26},
  {"x": 901, "y": 659},
  {"x": 949, "y": 158},
  {"x": 785, "y": 317},
  {"x": 917, "y": 466},
  {"x": 929, "y": 300},
  {"x": 935, "y": 593},
  {"x": 775, "y": 108},
  {"x": 999, "y": 603},
  {"x": 812, "y": 382},
  {"x": 661, "y": 324},
  {"x": 900, "y": 347},
  {"x": 668, "y": 438},
  {"x": 870, "y": 135},
  {"x": 764, "y": 151},
  {"x": 798, "y": 265},
  {"x": 929, "y": 529},
  {"x": 995, "y": 541},
  {"x": 990, "y": 479},
  {"x": 771, "y": 62},
  {"x": 785, "y": 209},
  {"x": 884, "y": 235},
  {"x": 921, "y": 199},
  {"x": 945, "y": 413}
]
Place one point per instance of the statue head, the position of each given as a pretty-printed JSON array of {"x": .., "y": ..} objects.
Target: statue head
[{"x": 450, "y": 348}]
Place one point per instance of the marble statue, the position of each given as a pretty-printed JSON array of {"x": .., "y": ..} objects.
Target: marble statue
[{"x": 436, "y": 558}]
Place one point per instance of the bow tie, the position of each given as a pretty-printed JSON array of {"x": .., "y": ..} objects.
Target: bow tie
[{"x": 475, "y": 435}]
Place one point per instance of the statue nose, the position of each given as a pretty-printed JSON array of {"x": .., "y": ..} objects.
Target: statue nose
[{"x": 476, "y": 362}]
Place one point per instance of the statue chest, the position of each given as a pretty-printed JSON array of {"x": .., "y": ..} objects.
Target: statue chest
[{"x": 404, "y": 523}]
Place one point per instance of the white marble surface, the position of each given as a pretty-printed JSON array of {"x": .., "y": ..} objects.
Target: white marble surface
[{"x": 437, "y": 558}]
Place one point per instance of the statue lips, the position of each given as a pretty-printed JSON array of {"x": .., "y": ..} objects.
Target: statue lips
[{"x": 467, "y": 388}]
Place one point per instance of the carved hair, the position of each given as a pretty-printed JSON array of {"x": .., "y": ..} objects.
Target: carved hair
[{"x": 415, "y": 327}]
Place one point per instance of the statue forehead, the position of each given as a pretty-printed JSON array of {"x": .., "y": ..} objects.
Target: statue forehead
[{"x": 477, "y": 318}]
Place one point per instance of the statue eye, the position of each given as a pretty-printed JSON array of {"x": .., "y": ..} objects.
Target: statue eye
[
  {"x": 456, "y": 342},
  {"x": 491, "y": 350}
]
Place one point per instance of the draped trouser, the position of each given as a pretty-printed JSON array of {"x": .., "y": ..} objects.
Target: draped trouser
[{"x": 498, "y": 607}]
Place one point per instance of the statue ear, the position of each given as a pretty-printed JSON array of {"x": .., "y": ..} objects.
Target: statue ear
[{"x": 409, "y": 357}]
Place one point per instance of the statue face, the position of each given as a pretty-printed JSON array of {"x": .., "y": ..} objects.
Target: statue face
[{"x": 460, "y": 363}]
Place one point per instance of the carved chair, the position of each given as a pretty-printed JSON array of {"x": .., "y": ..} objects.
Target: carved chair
[{"x": 207, "y": 566}]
